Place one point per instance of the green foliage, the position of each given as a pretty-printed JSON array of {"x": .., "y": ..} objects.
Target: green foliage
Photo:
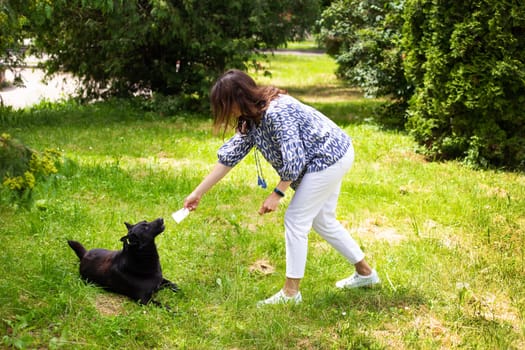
[
  {"x": 168, "y": 47},
  {"x": 364, "y": 37},
  {"x": 12, "y": 23},
  {"x": 467, "y": 61},
  {"x": 21, "y": 167}
]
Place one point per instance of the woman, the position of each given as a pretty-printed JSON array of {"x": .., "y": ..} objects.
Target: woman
[{"x": 310, "y": 153}]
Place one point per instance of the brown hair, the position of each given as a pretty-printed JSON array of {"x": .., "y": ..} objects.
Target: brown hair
[{"x": 237, "y": 88}]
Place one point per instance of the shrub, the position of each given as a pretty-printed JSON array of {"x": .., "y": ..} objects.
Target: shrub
[
  {"x": 365, "y": 39},
  {"x": 21, "y": 167},
  {"x": 168, "y": 47},
  {"x": 467, "y": 62}
]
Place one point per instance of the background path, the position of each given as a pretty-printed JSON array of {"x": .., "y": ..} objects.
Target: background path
[{"x": 34, "y": 89}]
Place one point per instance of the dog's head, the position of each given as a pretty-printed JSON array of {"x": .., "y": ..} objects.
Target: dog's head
[{"x": 142, "y": 233}]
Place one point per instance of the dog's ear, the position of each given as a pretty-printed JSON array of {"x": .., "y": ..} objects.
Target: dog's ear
[
  {"x": 128, "y": 226},
  {"x": 124, "y": 240},
  {"x": 131, "y": 239}
]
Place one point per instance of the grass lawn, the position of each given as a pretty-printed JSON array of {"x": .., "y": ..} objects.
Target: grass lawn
[{"x": 447, "y": 241}]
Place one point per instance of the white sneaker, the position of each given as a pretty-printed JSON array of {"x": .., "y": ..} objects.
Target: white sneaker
[
  {"x": 356, "y": 280},
  {"x": 281, "y": 298}
]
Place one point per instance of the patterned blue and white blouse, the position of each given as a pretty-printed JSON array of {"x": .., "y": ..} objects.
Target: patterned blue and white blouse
[{"x": 293, "y": 137}]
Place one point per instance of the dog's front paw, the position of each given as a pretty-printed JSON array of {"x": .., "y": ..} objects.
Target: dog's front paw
[
  {"x": 174, "y": 287},
  {"x": 168, "y": 284}
]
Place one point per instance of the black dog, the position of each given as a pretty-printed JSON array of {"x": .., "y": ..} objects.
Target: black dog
[{"x": 133, "y": 271}]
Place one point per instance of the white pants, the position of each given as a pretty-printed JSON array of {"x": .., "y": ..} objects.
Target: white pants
[{"x": 314, "y": 205}]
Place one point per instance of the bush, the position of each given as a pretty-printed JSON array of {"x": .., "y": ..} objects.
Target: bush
[
  {"x": 21, "y": 167},
  {"x": 168, "y": 47},
  {"x": 365, "y": 39},
  {"x": 467, "y": 61}
]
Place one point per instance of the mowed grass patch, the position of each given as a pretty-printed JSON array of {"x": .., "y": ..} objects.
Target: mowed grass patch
[
  {"x": 310, "y": 77},
  {"x": 447, "y": 241}
]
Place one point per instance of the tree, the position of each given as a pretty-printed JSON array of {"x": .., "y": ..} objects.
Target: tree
[
  {"x": 467, "y": 62},
  {"x": 11, "y": 35},
  {"x": 173, "y": 47},
  {"x": 457, "y": 69},
  {"x": 365, "y": 39}
]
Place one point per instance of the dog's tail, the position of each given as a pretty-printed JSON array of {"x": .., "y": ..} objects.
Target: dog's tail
[{"x": 78, "y": 248}]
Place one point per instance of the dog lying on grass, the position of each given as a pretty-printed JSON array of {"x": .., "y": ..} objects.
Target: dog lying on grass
[{"x": 133, "y": 271}]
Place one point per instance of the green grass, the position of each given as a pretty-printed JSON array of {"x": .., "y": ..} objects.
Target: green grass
[
  {"x": 448, "y": 241},
  {"x": 303, "y": 45}
]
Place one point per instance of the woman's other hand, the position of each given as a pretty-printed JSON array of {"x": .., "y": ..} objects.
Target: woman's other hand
[{"x": 270, "y": 204}]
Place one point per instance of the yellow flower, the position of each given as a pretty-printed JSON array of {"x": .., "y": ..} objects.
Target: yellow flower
[
  {"x": 14, "y": 183},
  {"x": 29, "y": 179}
]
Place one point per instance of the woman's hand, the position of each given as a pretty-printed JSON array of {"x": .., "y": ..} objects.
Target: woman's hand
[
  {"x": 218, "y": 172},
  {"x": 270, "y": 204},
  {"x": 192, "y": 201}
]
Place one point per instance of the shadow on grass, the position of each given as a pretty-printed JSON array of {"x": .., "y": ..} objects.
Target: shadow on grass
[
  {"x": 371, "y": 300},
  {"x": 73, "y": 114},
  {"x": 347, "y": 105},
  {"x": 326, "y": 93},
  {"x": 344, "y": 105}
]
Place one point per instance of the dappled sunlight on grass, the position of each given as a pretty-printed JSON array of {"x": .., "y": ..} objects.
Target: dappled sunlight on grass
[
  {"x": 133, "y": 163},
  {"x": 298, "y": 71},
  {"x": 326, "y": 94}
]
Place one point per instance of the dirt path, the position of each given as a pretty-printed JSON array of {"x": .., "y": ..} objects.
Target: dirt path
[{"x": 34, "y": 89}]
